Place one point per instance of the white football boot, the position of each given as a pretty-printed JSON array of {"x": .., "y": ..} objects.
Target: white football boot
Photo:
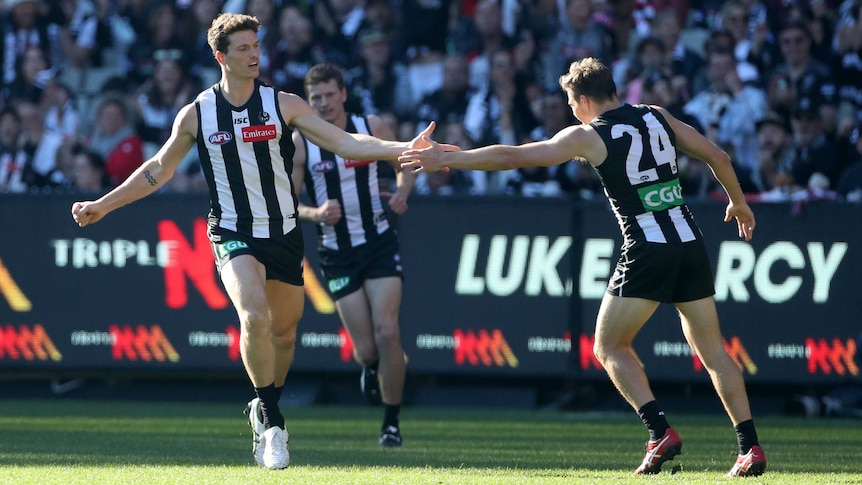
[
  {"x": 255, "y": 420},
  {"x": 274, "y": 444}
]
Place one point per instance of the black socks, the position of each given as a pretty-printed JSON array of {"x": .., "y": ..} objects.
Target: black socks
[
  {"x": 391, "y": 414},
  {"x": 746, "y": 435},
  {"x": 269, "y": 396},
  {"x": 653, "y": 418}
]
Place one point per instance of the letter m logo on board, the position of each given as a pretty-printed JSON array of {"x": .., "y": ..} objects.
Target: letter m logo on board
[
  {"x": 836, "y": 357},
  {"x": 141, "y": 343},
  {"x": 27, "y": 344},
  {"x": 483, "y": 347}
]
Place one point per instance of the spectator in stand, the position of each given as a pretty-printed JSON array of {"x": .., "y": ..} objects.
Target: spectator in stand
[
  {"x": 479, "y": 37},
  {"x": 684, "y": 62},
  {"x": 88, "y": 172},
  {"x": 379, "y": 83},
  {"x": 295, "y": 51},
  {"x": 32, "y": 76},
  {"x": 449, "y": 102},
  {"x": 848, "y": 70},
  {"x": 24, "y": 27},
  {"x": 32, "y": 141},
  {"x": 801, "y": 76},
  {"x": 157, "y": 102},
  {"x": 14, "y": 160},
  {"x": 96, "y": 36},
  {"x": 61, "y": 123},
  {"x": 161, "y": 36},
  {"x": 649, "y": 61},
  {"x": 428, "y": 37},
  {"x": 197, "y": 56},
  {"x": 773, "y": 139},
  {"x": 811, "y": 160},
  {"x": 579, "y": 37},
  {"x": 734, "y": 19},
  {"x": 850, "y": 182},
  {"x": 500, "y": 113},
  {"x": 266, "y": 14},
  {"x": 728, "y": 109},
  {"x": 337, "y": 24},
  {"x": 115, "y": 139}
]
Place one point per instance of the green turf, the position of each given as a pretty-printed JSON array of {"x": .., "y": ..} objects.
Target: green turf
[{"x": 98, "y": 442}]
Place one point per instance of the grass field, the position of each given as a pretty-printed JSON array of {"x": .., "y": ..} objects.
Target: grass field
[{"x": 108, "y": 442}]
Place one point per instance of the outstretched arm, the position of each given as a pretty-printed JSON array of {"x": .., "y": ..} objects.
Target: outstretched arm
[
  {"x": 149, "y": 177},
  {"x": 574, "y": 141},
  {"x": 696, "y": 145},
  {"x": 298, "y": 113}
]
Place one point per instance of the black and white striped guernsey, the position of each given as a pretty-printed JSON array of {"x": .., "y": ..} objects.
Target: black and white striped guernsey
[
  {"x": 354, "y": 183},
  {"x": 247, "y": 158},
  {"x": 640, "y": 176}
]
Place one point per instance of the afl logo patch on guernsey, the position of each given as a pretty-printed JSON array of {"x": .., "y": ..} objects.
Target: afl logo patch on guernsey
[
  {"x": 220, "y": 137},
  {"x": 251, "y": 134},
  {"x": 323, "y": 166}
]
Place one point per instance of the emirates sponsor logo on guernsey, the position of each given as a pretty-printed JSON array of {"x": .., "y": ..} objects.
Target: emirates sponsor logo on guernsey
[
  {"x": 220, "y": 137},
  {"x": 323, "y": 166},
  {"x": 251, "y": 134}
]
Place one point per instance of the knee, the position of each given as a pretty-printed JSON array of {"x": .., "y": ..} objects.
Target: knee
[
  {"x": 387, "y": 335},
  {"x": 285, "y": 339},
  {"x": 365, "y": 353},
  {"x": 604, "y": 350},
  {"x": 254, "y": 322}
]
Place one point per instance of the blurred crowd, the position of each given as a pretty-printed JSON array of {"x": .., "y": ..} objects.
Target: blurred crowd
[{"x": 90, "y": 88}]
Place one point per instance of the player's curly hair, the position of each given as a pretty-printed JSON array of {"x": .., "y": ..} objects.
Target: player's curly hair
[
  {"x": 226, "y": 24},
  {"x": 591, "y": 78}
]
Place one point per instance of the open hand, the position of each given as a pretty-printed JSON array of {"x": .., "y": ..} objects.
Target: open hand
[
  {"x": 429, "y": 149},
  {"x": 744, "y": 219}
]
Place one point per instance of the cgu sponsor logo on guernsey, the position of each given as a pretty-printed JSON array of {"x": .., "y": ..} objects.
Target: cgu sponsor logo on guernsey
[
  {"x": 661, "y": 196},
  {"x": 251, "y": 134},
  {"x": 538, "y": 266}
]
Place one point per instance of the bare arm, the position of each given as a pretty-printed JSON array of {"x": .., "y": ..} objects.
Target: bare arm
[
  {"x": 696, "y": 145},
  {"x": 149, "y": 177},
  {"x": 297, "y": 113},
  {"x": 571, "y": 142}
]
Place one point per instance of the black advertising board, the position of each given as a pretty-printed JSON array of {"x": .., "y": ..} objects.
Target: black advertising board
[
  {"x": 786, "y": 301},
  {"x": 493, "y": 287}
]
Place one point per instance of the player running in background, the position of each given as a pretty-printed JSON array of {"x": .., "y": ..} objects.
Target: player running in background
[
  {"x": 663, "y": 257},
  {"x": 241, "y": 128},
  {"x": 358, "y": 250}
]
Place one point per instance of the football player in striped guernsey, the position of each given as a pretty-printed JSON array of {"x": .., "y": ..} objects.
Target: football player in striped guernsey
[
  {"x": 358, "y": 248},
  {"x": 242, "y": 128},
  {"x": 663, "y": 257}
]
